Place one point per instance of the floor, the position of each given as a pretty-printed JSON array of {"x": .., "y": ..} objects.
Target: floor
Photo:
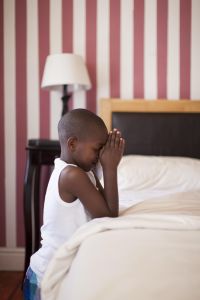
[{"x": 10, "y": 285}]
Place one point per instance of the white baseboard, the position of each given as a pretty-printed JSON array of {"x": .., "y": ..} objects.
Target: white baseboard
[{"x": 12, "y": 259}]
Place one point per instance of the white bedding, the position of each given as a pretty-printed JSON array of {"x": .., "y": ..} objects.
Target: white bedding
[
  {"x": 152, "y": 251},
  {"x": 141, "y": 177}
]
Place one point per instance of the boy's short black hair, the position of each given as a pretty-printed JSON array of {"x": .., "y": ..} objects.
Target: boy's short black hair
[{"x": 79, "y": 122}]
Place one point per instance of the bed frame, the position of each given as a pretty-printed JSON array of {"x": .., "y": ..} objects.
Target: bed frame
[{"x": 155, "y": 127}]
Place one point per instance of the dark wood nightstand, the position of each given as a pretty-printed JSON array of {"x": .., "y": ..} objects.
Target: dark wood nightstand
[{"x": 39, "y": 152}]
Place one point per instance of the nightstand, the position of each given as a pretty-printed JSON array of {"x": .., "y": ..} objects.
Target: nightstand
[{"x": 39, "y": 152}]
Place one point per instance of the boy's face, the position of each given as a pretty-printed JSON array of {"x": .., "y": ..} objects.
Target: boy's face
[{"x": 87, "y": 152}]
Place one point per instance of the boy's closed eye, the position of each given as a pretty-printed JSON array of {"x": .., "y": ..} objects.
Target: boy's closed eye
[{"x": 98, "y": 148}]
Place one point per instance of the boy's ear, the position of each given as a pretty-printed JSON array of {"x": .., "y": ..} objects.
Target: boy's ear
[{"x": 71, "y": 143}]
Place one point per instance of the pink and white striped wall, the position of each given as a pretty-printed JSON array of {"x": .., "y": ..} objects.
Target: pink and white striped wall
[{"x": 132, "y": 48}]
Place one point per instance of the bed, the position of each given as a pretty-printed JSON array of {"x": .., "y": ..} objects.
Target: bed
[{"x": 152, "y": 250}]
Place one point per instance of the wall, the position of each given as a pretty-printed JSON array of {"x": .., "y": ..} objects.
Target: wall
[{"x": 133, "y": 49}]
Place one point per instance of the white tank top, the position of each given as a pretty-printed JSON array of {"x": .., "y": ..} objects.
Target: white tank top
[{"x": 60, "y": 220}]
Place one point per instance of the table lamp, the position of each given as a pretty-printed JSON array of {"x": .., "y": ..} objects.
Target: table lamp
[{"x": 67, "y": 72}]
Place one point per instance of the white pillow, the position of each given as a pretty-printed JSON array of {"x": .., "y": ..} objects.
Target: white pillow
[{"x": 141, "y": 177}]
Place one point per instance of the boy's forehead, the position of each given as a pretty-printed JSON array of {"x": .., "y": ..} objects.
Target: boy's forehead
[
  {"x": 98, "y": 131},
  {"x": 99, "y": 137}
]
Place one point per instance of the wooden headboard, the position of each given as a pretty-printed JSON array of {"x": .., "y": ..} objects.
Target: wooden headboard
[{"x": 155, "y": 127}]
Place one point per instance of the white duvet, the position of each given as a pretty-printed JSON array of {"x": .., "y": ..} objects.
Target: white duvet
[{"x": 150, "y": 252}]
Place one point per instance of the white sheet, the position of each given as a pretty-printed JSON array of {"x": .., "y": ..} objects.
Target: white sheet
[{"x": 150, "y": 252}]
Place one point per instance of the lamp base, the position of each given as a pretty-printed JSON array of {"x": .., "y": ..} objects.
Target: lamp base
[{"x": 65, "y": 100}]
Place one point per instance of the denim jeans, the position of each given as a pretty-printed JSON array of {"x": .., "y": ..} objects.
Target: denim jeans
[{"x": 31, "y": 290}]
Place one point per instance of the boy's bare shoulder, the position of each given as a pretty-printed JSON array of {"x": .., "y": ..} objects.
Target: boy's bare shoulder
[
  {"x": 72, "y": 173},
  {"x": 71, "y": 180}
]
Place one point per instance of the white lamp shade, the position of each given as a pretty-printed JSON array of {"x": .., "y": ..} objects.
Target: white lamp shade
[{"x": 65, "y": 68}]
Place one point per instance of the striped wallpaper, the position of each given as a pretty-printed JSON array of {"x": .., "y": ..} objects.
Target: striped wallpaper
[{"x": 133, "y": 49}]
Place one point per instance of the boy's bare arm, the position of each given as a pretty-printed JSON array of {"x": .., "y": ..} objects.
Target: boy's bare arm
[
  {"x": 74, "y": 183},
  {"x": 98, "y": 184}
]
